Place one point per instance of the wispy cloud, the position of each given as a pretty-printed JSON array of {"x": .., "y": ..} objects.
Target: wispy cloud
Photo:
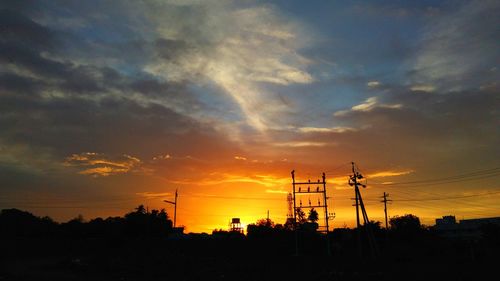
[
  {"x": 373, "y": 84},
  {"x": 238, "y": 49},
  {"x": 423, "y": 88},
  {"x": 97, "y": 164},
  {"x": 218, "y": 178},
  {"x": 162, "y": 157},
  {"x": 302, "y": 144},
  {"x": 458, "y": 47},
  {"x": 279, "y": 191},
  {"x": 154, "y": 194},
  {"x": 326, "y": 130},
  {"x": 384, "y": 174},
  {"x": 368, "y": 105}
]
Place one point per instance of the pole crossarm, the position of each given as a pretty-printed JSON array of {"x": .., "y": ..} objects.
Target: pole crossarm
[
  {"x": 175, "y": 206},
  {"x": 308, "y": 182},
  {"x": 309, "y": 206}
]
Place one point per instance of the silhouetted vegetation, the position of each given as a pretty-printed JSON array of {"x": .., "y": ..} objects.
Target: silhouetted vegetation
[
  {"x": 313, "y": 216},
  {"x": 407, "y": 225},
  {"x": 141, "y": 246},
  {"x": 16, "y": 223}
]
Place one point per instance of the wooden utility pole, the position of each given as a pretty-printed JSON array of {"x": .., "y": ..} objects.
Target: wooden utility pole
[{"x": 385, "y": 208}]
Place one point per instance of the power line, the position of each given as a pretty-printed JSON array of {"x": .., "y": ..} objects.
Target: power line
[
  {"x": 455, "y": 178},
  {"x": 338, "y": 167},
  {"x": 448, "y": 198},
  {"x": 236, "y": 197}
]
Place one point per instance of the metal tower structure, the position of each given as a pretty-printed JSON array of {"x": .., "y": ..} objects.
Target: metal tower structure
[{"x": 310, "y": 188}]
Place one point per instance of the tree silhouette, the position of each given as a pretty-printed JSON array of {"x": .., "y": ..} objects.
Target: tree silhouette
[
  {"x": 140, "y": 209},
  {"x": 407, "y": 226},
  {"x": 407, "y": 222},
  {"x": 301, "y": 216},
  {"x": 313, "y": 216},
  {"x": 265, "y": 222},
  {"x": 14, "y": 222},
  {"x": 141, "y": 222}
]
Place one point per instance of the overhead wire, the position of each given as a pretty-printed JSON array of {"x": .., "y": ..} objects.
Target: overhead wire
[{"x": 451, "y": 179}]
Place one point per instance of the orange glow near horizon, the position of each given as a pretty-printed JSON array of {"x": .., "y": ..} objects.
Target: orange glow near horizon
[{"x": 210, "y": 202}]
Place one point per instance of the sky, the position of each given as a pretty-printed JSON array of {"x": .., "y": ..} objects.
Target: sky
[{"x": 105, "y": 105}]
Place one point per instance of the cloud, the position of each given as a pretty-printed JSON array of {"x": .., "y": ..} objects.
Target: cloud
[
  {"x": 217, "y": 178},
  {"x": 279, "y": 191},
  {"x": 423, "y": 88},
  {"x": 162, "y": 157},
  {"x": 201, "y": 78},
  {"x": 459, "y": 47},
  {"x": 238, "y": 49},
  {"x": 52, "y": 90},
  {"x": 369, "y": 104},
  {"x": 326, "y": 130},
  {"x": 302, "y": 144},
  {"x": 384, "y": 174},
  {"x": 373, "y": 84},
  {"x": 96, "y": 164},
  {"x": 424, "y": 128},
  {"x": 153, "y": 195}
]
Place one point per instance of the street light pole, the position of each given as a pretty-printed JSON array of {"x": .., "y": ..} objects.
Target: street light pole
[{"x": 175, "y": 206}]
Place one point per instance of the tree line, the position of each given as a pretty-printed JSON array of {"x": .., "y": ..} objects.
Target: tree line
[{"x": 139, "y": 222}]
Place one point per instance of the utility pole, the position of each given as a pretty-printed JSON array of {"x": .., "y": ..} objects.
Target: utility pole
[
  {"x": 353, "y": 181},
  {"x": 175, "y": 206},
  {"x": 385, "y": 208}
]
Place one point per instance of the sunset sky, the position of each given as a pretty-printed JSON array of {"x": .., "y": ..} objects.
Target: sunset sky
[{"x": 105, "y": 105}]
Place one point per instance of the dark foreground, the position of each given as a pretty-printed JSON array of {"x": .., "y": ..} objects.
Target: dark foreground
[
  {"x": 229, "y": 258},
  {"x": 143, "y": 245}
]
